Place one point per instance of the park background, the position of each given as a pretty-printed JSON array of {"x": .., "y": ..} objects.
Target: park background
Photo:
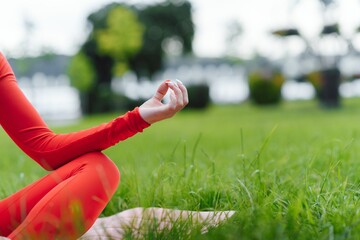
[{"x": 271, "y": 130}]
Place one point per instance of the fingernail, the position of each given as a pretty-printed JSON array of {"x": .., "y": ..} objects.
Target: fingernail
[
  {"x": 179, "y": 81},
  {"x": 168, "y": 81}
]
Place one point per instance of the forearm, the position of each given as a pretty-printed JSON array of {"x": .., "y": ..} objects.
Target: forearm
[{"x": 52, "y": 150}]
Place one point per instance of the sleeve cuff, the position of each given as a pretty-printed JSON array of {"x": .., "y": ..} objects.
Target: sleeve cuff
[{"x": 136, "y": 121}]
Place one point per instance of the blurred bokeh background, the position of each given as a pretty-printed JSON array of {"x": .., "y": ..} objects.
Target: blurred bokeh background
[{"x": 88, "y": 57}]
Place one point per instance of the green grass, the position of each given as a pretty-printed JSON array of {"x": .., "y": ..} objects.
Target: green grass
[{"x": 290, "y": 172}]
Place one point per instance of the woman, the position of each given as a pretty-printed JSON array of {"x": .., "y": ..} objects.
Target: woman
[{"x": 65, "y": 203}]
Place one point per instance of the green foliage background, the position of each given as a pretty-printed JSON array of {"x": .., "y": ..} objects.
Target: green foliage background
[
  {"x": 124, "y": 38},
  {"x": 81, "y": 72}
]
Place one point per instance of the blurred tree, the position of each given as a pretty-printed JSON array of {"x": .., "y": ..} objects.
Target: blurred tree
[
  {"x": 124, "y": 37},
  {"x": 82, "y": 76},
  {"x": 168, "y": 27},
  {"x": 81, "y": 72},
  {"x": 324, "y": 52},
  {"x": 116, "y": 35},
  {"x": 234, "y": 32},
  {"x": 121, "y": 39},
  {"x": 23, "y": 64}
]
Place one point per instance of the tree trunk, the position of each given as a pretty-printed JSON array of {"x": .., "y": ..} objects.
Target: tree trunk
[{"x": 329, "y": 90}]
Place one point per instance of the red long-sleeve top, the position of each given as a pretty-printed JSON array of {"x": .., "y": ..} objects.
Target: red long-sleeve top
[{"x": 28, "y": 130}]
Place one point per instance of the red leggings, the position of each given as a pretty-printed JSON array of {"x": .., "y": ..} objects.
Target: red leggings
[
  {"x": 46, "y": 209},
  {"x": 65, "y": 203}
]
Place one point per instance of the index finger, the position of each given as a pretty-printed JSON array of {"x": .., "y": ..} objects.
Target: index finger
[{"x": 162, "y": 90}]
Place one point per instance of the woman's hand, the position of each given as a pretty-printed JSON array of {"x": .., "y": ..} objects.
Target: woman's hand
[{"x": 153, "y": 110}]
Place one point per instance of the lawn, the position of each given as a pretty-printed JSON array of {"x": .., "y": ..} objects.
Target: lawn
[{"x": 290, "y": 172}]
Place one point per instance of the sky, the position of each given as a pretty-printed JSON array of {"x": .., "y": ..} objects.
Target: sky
[{"x": 61, "y": 25}]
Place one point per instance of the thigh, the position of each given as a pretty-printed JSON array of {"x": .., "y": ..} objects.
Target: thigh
[
  {"x": 89, "y": 180},
  {"x": 17, "y": 206}
]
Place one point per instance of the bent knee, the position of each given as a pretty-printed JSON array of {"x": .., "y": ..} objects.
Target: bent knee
[{"x": 102, "y": 166}]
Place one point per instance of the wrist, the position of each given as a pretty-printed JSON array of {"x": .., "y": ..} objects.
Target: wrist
[
  {"x": 146, "y": 115},
  {"x": 140, "y": 120}
]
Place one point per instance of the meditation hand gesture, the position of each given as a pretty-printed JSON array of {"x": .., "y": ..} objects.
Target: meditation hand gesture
[{"x": 153, "y": 110}]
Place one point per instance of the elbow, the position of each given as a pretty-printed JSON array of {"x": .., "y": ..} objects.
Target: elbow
[
  {"x": 47, "y": 160},
  {"x": 46, "y": 164},
  {"x": 52, "y": 160},
  {"x": 42, "y": 149}
]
